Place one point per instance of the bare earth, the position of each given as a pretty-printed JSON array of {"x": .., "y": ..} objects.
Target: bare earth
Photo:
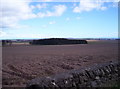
[{"x": 21, "y": 63}]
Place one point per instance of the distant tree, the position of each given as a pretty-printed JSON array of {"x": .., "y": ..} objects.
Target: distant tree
[
  {"x": 57, "y": 41},
  {"x": 6, "y": 42}
]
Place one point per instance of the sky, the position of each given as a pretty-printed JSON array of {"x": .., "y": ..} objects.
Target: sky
[{"x": 36, "y": 19}]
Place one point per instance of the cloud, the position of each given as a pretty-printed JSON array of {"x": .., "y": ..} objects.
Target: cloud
[
  {"x": 13, "y": 11},
  {"x": 88, "y": 5},
  {"x": 39, "y": 6},
  {"x": 58, "y": 11}
]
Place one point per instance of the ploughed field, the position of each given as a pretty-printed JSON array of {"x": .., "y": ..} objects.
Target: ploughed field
[{"x": 21, "y": 63}]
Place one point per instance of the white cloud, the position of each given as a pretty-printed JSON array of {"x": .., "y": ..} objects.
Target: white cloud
[
  {"x": 13, "y": 11},
  {"x": 52, "y": 22},
  {"x": 88, "y": 5},
  {"x": 58, "y": 11},
  {"x": 39, "y": 6}
]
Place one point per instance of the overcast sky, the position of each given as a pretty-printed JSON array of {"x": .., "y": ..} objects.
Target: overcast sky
[{"x": 26, "y": 19}]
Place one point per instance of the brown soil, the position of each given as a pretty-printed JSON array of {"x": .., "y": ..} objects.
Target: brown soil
[{"x": 21, "y": 63}]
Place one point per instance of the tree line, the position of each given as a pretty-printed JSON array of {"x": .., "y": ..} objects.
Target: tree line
[{"x": 57, "y": 41}]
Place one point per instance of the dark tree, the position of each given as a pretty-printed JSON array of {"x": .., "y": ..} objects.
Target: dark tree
[
  {"x": 6, "y": 42},
  {"x": 57, "y": 41}
]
